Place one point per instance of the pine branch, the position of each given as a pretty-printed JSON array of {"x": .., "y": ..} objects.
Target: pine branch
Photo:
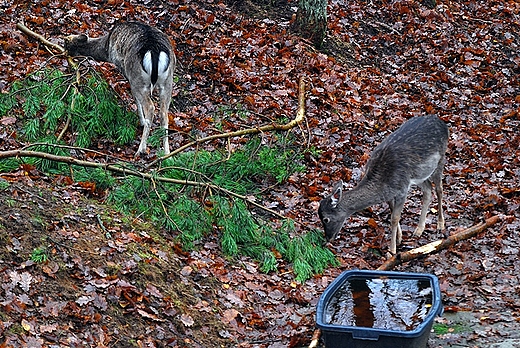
[{"x": 118, "y": 168}]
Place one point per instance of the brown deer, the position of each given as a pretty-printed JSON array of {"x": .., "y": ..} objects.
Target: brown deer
[
  {"x": 145, "y": 57},
  {"x": 413, "y": 155}
]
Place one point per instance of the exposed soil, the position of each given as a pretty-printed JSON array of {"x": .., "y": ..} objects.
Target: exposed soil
[{"x": 106, "y": 282}]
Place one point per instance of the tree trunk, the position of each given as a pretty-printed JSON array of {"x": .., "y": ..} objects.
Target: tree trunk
[{"x": 311, "y": 20}]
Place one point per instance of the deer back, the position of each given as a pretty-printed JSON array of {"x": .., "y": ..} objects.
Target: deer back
[
  {"x": 407, "y": 156},
  {"x": 133, "y": 47}
]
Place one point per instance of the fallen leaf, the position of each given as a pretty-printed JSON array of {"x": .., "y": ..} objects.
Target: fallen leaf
[
  {"x": 187, "y": 320},
  {"x": 83, "y": 300},
  {"x": 50, "y": 268},
  {"x": 48, "y": 328},
  {"x": 186, "y": 271},
  {"x": 8, "y": 120},
  {"x": 148, "y": 315},
  {"x": 229, "y": 315},
  {"x": 26, "y": 325}
]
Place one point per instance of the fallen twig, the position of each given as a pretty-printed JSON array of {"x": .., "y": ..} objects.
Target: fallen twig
[
  {"x": 46, "y": 42},
  {"x": 29, "y": 193},
  {"x": 315, "y": 338},
  {"x": 118, "y": 168},
  {"x": 437, "y": 246},
  {"x": 61, "y": 50},
  {"x": 100, "y": 222},
  {"x": 39, "y": 37},
  {"x": 75, "y": 85},
  {"x": 300, "y": 115}
]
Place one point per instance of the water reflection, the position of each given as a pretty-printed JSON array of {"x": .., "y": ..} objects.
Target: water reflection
[{"x": 383, "y": 303}]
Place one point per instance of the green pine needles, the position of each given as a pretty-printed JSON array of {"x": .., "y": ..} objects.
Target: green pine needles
[
  {"x": 194, "y": 212},
  {"x": 39, "y": 255},
  {"x": 49, "y": 101},
  {"x": 4, "y": 184}
]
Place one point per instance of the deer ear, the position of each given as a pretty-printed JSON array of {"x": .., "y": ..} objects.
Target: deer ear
[
  {"x": 83, "y": 38},
  {"x": 335, "y": 197}
]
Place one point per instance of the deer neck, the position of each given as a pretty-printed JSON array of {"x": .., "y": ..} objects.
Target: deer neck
[{"x": 364, "y": 195}]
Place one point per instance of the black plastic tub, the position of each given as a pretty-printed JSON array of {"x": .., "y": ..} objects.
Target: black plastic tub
[{"x": 379, "y": 309}]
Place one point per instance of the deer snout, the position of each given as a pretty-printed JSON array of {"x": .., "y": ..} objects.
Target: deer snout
[{"x": 330, "y": 234}]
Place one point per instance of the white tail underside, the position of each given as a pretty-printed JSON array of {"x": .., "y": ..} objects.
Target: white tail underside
[
  {"x": 147, "y": 62},
  {"x": 163, "y": 63}
]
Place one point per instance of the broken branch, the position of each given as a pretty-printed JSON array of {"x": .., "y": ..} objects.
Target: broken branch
[
  {"x": 46, "y": 42},
  {"x": 315, "y": 338},
  {"x": 435, "y": 247},
  {"x": 39, "y": 37},
  {"x": 300, "y": 115},
  {"x": 117, "y": 168}
]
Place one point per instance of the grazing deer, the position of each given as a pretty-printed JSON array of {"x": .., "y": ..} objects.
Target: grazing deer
[
  {"x": 412, "y": 155},
  {"x": 145, "y": 57}
]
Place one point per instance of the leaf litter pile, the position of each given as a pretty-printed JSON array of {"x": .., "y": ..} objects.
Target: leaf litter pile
[{"x": 74, "y": 273}]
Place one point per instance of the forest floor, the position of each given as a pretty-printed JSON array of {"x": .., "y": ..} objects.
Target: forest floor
[{"x": 110, "y": 280}]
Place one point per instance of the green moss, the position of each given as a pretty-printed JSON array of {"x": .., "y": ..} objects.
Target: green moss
[{"x": 442, "y": 329}]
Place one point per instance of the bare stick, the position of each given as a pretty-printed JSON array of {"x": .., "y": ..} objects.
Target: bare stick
[
  {"x": 315, "y": 338},
  {"x": 300, "y": 115},
  {"x": 39, "y": 37},
  {"x": 117, "y": 168},
  {"x": 76, "y": 148},
  {"x": 439, "y": 245},
  {"x": 46, "y": 42}
]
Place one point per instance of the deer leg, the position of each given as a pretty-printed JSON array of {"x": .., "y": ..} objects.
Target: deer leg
[
  {"x": 396, "y": 207},
  {"x": 399, "y": 235},
  {"x": 164, "y": 103},
  {"x": 146, "y": 110},
  {"x": 426, "y": 187},
  {"x": 440, "y": 212},
  {"x": 140, "y": 112}
]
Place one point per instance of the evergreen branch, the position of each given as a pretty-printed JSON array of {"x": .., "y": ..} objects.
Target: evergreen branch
[{"x": 117, "y": 168}]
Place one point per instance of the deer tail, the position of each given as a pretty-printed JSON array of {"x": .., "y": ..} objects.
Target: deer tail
[{"x": 155, "y": 63}]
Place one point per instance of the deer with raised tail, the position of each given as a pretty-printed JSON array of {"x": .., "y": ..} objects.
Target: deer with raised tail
[
  {"x": 144, "y": 55},
  {"x": 412, "y": 155}
]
